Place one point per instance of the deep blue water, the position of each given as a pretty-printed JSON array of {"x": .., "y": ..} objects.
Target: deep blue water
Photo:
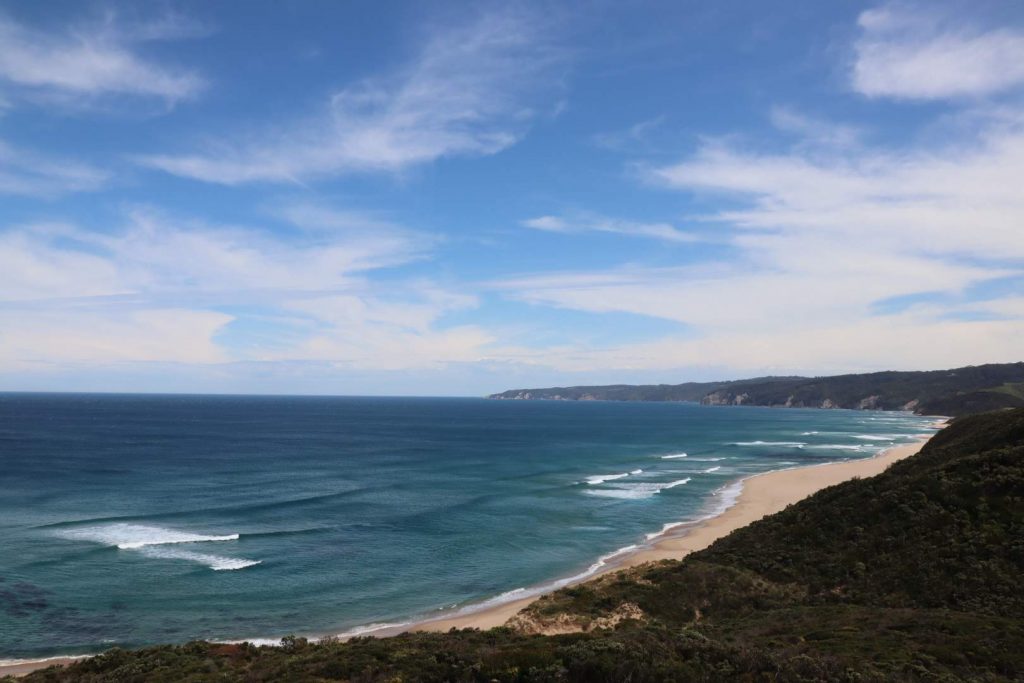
[{"x": 140, "y": 519}]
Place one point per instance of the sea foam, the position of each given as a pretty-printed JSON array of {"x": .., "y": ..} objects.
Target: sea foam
[
  {"x": 637, "y": 491},
  {"x": 602, "y": 478},
  {"x": 154, "y": 541},
  {"x": 673, "y": 456},
  {"x": 133, "y": 536},
  {"x": 217, "y": 563},
  {"x": 787, "y": 444}
]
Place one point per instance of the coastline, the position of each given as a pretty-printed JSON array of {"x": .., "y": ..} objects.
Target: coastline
[
  {"x": 758, "y": 496},
  {"x": 761, "y": 495}
]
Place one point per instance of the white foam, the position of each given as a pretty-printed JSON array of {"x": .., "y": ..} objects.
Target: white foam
[
  {"x": 217, "y": 563},
  {"x": 637, "y": 491},
  {"x": 372, "y": 628},
  {"x": 726, "y": 497},
  {"x": 712, "y": 469},
  {"x": 706, "y": 459},
  {"x": 522, "y": 593},
  {"x": 665, "y": 528},
  {"x": 808, "y": 433},
  {"x": 134, "y": 536},
  {"x": 156, "y": 542},
  {"x": 837, "y": 447},
  {"x": 602, "y": 478},
  {"x": 258, "y": 642},
  {"x": 673, "y": 456},
  {"x": 789, "y": 444},
  {"x": 637, "y": 472},
  {"x": 876, "y": 437}
]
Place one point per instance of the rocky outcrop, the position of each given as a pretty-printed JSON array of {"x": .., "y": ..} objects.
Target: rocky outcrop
[
  {"x": 869, "y": 403},
  {"x": 725, "y": 398}
]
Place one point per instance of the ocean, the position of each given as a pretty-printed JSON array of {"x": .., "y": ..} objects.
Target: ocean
[{"x": 137, "y": 519}]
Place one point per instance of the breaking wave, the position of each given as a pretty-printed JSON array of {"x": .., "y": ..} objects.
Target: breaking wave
[
  {"x": 637, "y": 491},
  {"x": 155, "y": 542}
]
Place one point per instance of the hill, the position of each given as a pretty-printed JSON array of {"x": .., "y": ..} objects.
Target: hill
[
  {"x": 958, "y": 391},
  {"x": 910, "y": 575}
]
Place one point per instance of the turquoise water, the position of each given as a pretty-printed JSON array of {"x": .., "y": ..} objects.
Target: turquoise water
[{"x": 129, "y": 520}]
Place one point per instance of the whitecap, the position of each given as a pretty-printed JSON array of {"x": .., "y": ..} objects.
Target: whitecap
[
  {"x": 217, "y": 563},
  {"x": 712, "y": 469},
  {"x": 602, "y": 478},
  {"x": 158, "y": 542},
  {"x": 636, "y": 491},
  {"x": 673, "y": 456},
  {"x": 133, "y": 536},
  {"x": 789, "y": 444}
]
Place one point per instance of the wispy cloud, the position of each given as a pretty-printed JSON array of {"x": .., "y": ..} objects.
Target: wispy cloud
[
  {"x": 160, "y": 288},
  {"x": 633, "y": 137},
  {"x": 58, "y": 339},
  {"x": 161, "y": 255},
  {"x": 92, "y": 60},
  {"x": 821, "y": 234},
  {"x": 469, "y": 92},
  {"x": 918, "y": 200},
  {"x": 24, "y": 172},
  {"x": 583, "y": 223},
  {"x": 913, "y": 52}
]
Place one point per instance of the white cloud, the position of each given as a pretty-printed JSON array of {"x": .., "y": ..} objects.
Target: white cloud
[
  {"x": 813, "y": 131},
  {"x": 23, "y": 172},
  {"x": 822, "y": 234},
  {"x": 632, "y": 138},
  {"x": 36, "y": 338},
  {"x": 91, "y": 61},
  {"x": 593, "y": 223},
  {"x": 953, "y": 200},
  {"x": 154, "y": 254},
  {"x": 899, "y": 342},
  {"x": 908, "y": 52},
  {"x": 369, "y": 332},
  {"x": 168, "y": 290},
  {"x": 468, "y": 93}
]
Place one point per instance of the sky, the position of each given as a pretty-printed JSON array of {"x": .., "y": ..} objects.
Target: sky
[{"x": 460, "y": 198}]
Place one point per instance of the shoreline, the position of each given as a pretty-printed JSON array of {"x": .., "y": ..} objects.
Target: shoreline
[
  {"x": 761, "y": 495},
  {"x": 758, "y": 496}
]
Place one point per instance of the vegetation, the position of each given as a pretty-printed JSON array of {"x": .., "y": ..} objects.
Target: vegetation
[
  {"x": 914, "y": 574},
  {"x": 959, "y": 391}
]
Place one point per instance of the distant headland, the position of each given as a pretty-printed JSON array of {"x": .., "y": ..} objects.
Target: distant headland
[{"x": 953, "y": 392}]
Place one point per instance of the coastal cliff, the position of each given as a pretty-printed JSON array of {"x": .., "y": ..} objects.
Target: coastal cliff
[{"x": 957, "y": 391}]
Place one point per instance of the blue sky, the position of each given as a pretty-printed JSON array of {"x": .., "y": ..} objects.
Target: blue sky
[{"x": 456, "y": 198}]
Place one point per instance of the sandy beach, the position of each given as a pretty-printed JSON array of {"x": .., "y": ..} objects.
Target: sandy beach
[{"x": 761, "y": 495}]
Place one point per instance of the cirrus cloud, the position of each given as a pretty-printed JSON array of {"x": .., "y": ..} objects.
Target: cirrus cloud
[
  {"x": 469, "y": 92},
  {"x": 908, "y": 52}
]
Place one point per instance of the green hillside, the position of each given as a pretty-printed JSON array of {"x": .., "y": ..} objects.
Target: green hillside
[
  {"x": 958, "y": 391},
  {"x": 912, "y": 575}
]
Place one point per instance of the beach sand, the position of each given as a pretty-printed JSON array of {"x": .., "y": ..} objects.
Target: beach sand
[
  {"x": 762, "y": 495},
  {"x": 23, "y": 667}
]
